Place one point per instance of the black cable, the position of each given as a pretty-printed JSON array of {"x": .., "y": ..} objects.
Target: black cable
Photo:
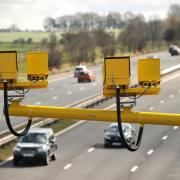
[
  {"x": 18, "y": 92},
  {"x": 136, "y": 97},
  {"x": 6, "y": 114},
  {"x": 22, "y": 93},
  {"x": 136, "y": 146}
]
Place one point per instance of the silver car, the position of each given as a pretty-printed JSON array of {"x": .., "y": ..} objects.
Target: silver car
[
  {"x": 78, "y": 69},
  {"x": 39, "y": 145}
]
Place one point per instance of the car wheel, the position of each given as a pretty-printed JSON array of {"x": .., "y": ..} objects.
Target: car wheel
[
  {"x": 46, "y": 161},
  {"x": 15, "y": 161},
  {"x": 106, "y": 145},
  {"x": 54, "y": 157}
]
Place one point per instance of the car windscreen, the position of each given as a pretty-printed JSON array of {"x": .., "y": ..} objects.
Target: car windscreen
[
  {"x": 79, "y": 69},
  {"x": 113, "y": 129},
  {"x": 83, "y": 73},
  {"x": 116, "y": 129},
  {"x": 34, "y": 138}
]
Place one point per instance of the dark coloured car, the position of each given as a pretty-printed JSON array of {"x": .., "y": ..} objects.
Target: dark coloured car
[
  {"x": 112, "y": 136},
  {"x": 38, "y": 145},
  {"x": 175, "y": 51},
  {"x": 172, "y": 47}
]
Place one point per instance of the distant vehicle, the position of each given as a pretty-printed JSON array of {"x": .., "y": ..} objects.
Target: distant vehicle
[
  {"x": 112, "y": 136},
  {"x": 175, "y": 51},
  {"x": 78, "y": 69},
  {"x": 87, "y": 76},
  {"x": 39, "y": 144},
  {"x": 172, "y": 47}
]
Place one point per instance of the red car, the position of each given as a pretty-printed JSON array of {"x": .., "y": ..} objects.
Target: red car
[{"x": 86, "y": 76}]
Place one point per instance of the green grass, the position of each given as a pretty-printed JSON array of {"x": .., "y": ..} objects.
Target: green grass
[
  {"x": 36, "y": 36},
  {"x": 6, "y": 151},
  {"x": 18, "y": 47},
  {"x": 60, "y": 125}
]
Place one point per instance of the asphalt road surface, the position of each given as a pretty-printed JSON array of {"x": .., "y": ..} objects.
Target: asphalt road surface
[{"x": 81, "y": 154}]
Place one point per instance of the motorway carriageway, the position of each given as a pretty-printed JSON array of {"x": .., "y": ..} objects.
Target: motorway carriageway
[{"x": 81, "y": 155}]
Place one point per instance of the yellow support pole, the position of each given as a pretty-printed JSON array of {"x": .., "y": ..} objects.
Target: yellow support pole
[{"x": 16, "y": 109}]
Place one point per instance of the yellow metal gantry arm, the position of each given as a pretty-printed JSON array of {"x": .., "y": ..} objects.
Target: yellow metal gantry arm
[{"x": 16, "y": 109}]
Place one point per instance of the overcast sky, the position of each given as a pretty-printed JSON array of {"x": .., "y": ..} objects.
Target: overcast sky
[{"x": 29, "y": 14}]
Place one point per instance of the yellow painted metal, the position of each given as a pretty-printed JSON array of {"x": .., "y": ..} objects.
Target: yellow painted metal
[
  {"x": 8, "y": 65},
  {"x": 111, "y": 92},
  {"x": 116, "y": 71},
  {"x": 148, "y": 71},
  {"x": 26, "y": 85},
  {"x": 37, "y": 65},
  {"x": 15, "y": 109}
]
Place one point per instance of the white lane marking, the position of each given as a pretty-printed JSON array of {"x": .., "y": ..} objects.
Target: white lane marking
[
  {"x": 170, "y": 78},
  {"x": 38, "y": 103},
  {"x": 110, "y": 107},
  {"x": 171, "y": 95},
  {"x": 175, "y": 127},
  {"x": 69, "y": 92},
  {"x": 90, "y": 150},
  {"x": 82, "y": 88},
  {"x": 150, "y": 151},
  {"x": 94, "y": 84},
  {"x": 161, "y": 101},
  {"x": 151, "y": 108},
  {"x": 54, "y": 97},
  {"x": 134, "y": 168},
  {"x": 164, "y": 137},
  {"x": 67, "y": 166}
]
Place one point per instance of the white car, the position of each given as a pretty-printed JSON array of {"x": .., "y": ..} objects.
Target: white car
[{"x": 78, "y": 69}]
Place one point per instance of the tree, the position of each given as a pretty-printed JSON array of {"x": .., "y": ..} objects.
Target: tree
[
  {"x": 49, "y": 24},
  {"x": 54, "y": 52},
  {"x": 111, "y": 22},
  {"x": 172, "y": 24},
  {"x": 14, "y": 28},
  {"x": 154, "y": 30},
  {"x": 29, "y": 41},
  {"x": 44, "y": 42},
  {"x": 174, "y": 11},
  {"x": 54, "y": 57},
  {"x": 52, "y": 41},
  {"x": 79, "y": 47},
  {"x": 105, "y": 41},
  {"x": 169, "y": 35},
  {"x": 134, "y": 35}
]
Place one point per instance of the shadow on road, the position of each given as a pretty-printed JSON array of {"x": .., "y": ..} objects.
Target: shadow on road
[
  {"x": 28, "y": 164},
  {"x": 101, "y": 146}
]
